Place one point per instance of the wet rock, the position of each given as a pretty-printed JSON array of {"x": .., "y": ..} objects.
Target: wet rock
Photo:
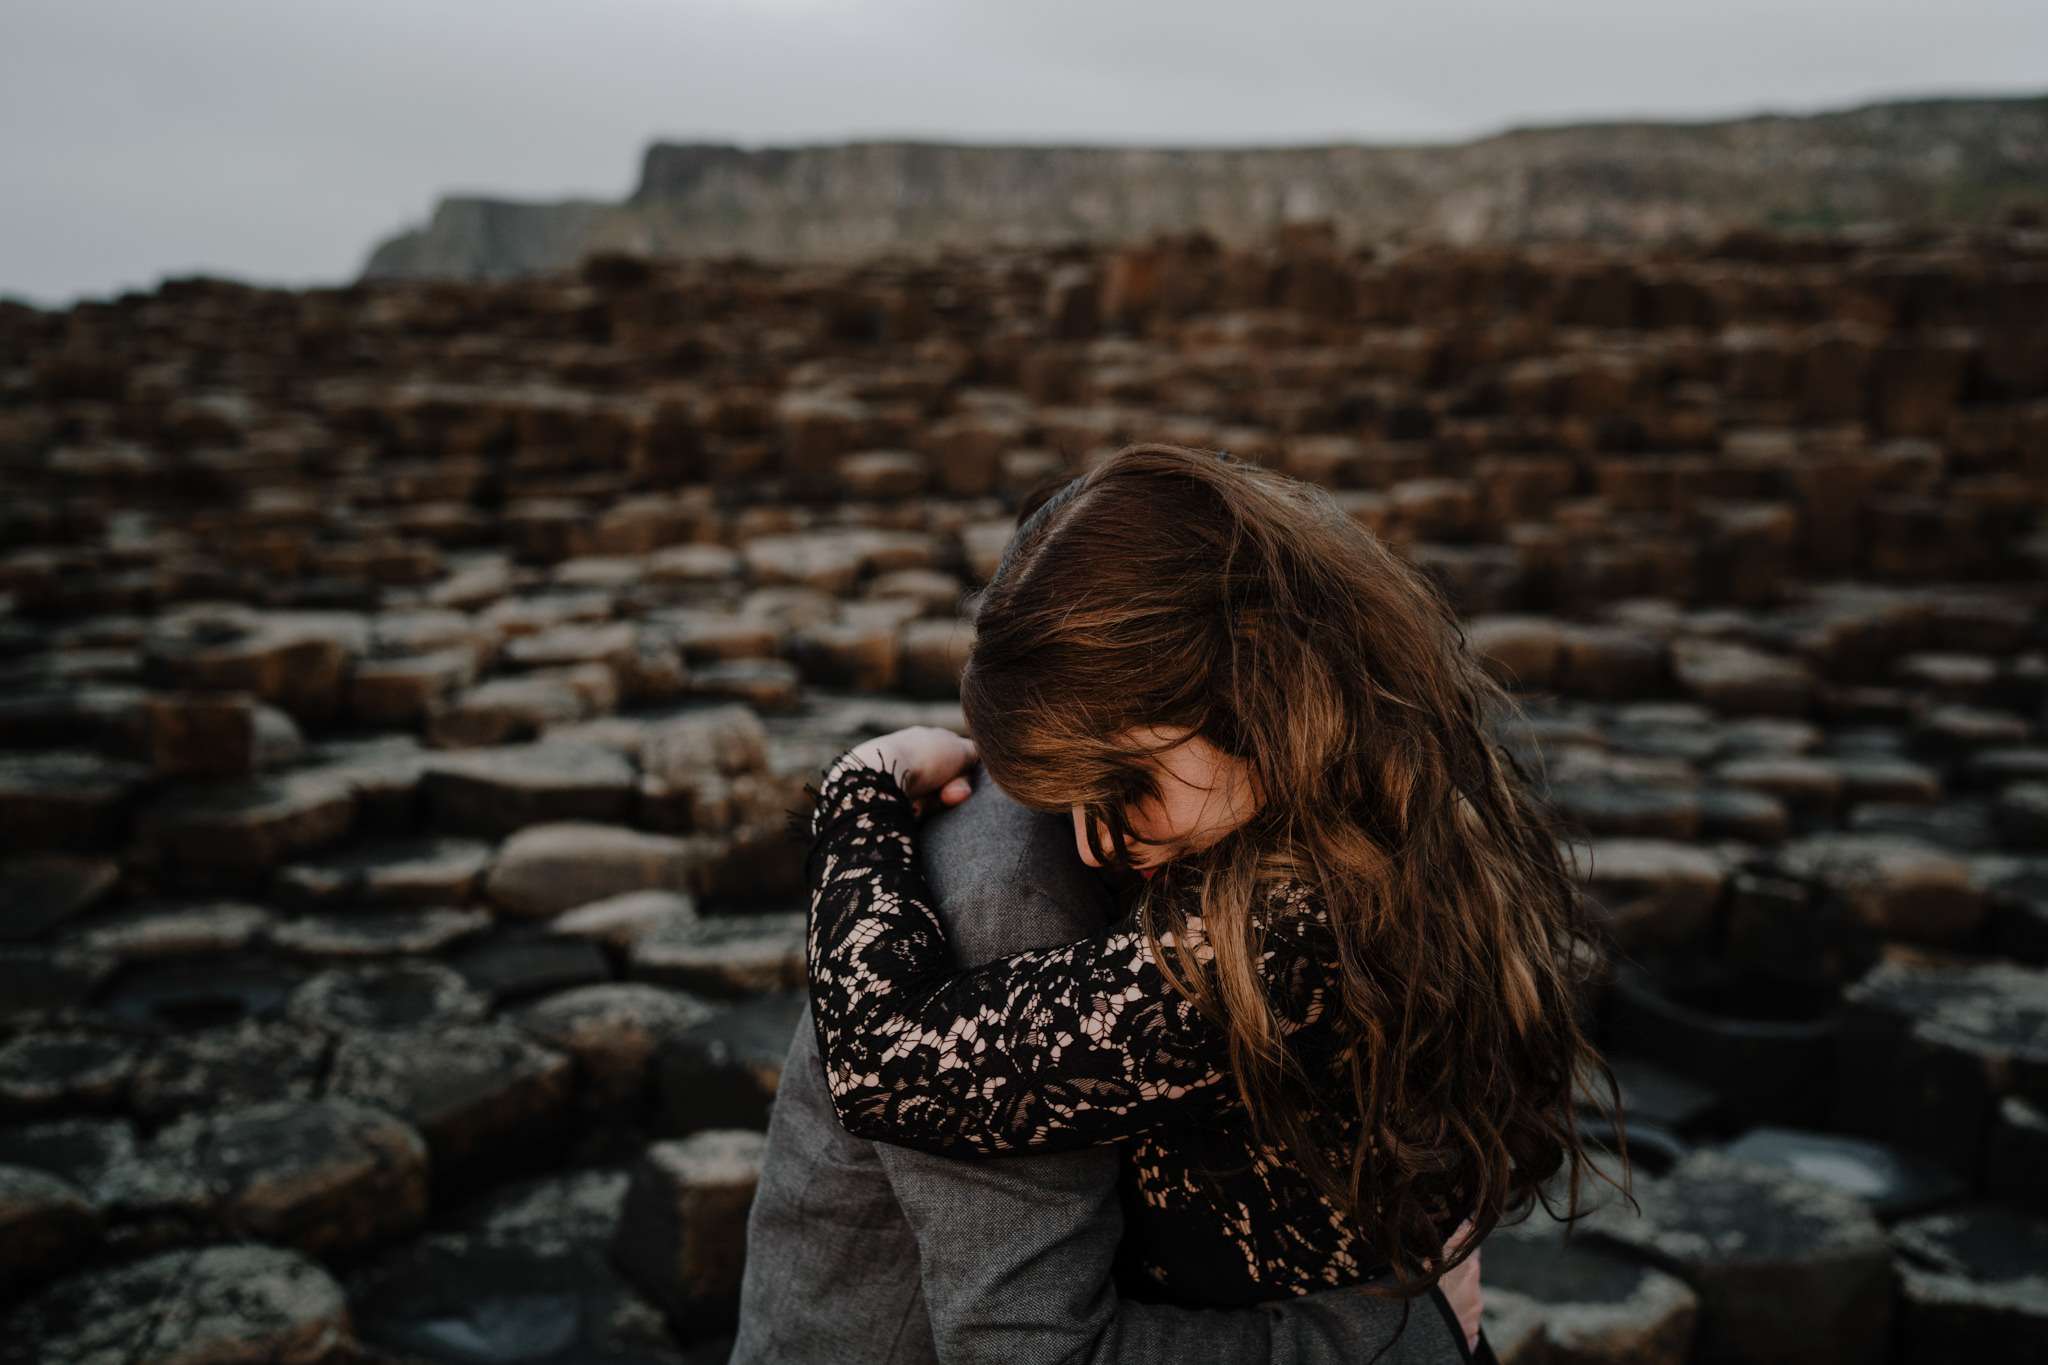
[
  {"x": 46, "y": 1227},
  {"x": 1597, "y": 1308},
  {"x": 207, "y": 929},
  {"x": 1927, "y": 1052},
  {"x": 1738, "y": 680},
  {"x": 724, "y": 1072},
  {"x": 189, "y": 993},
  {"x": 493, "y": 792},
  {"x": 241, "y": 829},
  {"x": 253, "y": 1062},
  {"x": 65, "y": 800},
  {"x": 377, "y": 933},
  {"x": 327, "y": 1177},
  {"x": 417, "y": 871},
  {"x": 44, "y": 1074},
  {"x": 2016, "y": 1158},
  {"x": 614, "y": 1031},
  {"x": 398, "y": 995},
  {"x": 466, "y": 1301},
  {"x": 505, "y": 711},
  {"x": 1893, "y": 1183},
  {"x": 1644, "y": 892},
  {"x": 1897, "y": 888},
  {"x": 38, "y": 893},
  {"x": 515, "y": 964},
  {"x": 1763, "y": 1044},
  {"x": 682, "y": 1238},
  {"x": 1785, "y": 1270},
  {"x": 488, "y": 1099},
  {"x": 623, "y": 921},
  {"x": 1973, "y": 1285},
  {"x": 547, "y": 869},
  {"x": 726, "y": 956},
  {"x": 212, "y": 1306}
]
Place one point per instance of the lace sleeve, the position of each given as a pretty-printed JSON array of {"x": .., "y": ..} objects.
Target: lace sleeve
[{"x": 1070, "y": 1047}]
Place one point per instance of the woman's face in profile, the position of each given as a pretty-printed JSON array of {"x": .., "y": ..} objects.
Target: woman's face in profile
[{"x": 1204, "y": 794}]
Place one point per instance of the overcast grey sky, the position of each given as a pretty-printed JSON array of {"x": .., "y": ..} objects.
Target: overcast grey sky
[{"x": 276, "y": 140}]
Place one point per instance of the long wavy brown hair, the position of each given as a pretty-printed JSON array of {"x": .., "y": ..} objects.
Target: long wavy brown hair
[{"x": 1180, "y": 590}]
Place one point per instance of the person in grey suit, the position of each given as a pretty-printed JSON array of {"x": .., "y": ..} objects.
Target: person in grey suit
[{"x": 864, "y": 1253}]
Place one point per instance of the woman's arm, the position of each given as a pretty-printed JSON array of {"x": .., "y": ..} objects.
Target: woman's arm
[{"x": 1071, "y": 1047}]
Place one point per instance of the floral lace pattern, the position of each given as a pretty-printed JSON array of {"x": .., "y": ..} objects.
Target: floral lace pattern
[{"x": 1076, "y": 1046}]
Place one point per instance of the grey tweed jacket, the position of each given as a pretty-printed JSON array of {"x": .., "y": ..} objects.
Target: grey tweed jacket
[{"x": 862, "y": 1253}]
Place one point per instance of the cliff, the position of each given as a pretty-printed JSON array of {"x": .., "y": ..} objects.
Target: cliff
[{"x": 1936, "y": 162}]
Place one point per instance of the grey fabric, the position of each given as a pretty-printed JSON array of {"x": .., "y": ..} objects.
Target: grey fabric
[{"x": 862, "y": 1252}]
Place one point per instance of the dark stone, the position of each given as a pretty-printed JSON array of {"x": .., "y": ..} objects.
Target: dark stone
[
  {"x": 327, "y": 1177},
  {"x": 37, "y": 984},
  {"x": 2016, "y": 1159},
  {"x": 2020, "y": 815},
  {"x": 1651, "y": 1093},
  {"x": 724, "y": 1073},
  {"x": 253, "y": 1062},
  {"x": 1598, "y": 1308},
  {"x": 515, "y": 964},
  {"x": 46, "y": 1227},
  {"x": 240, "y": 830},
  {"x": 1752, "y": 816},
  {"x": 422, "y": 871},
  {"x": 492, "y": 792},
  {"x": 46, "y": 1074},
  {"x": 1973, "y": 1286},
  {"x": 1893, "y": 1183},
  {"x": 144, "y": 1203},
  {"x": 1765, "y": 1046},
  {"x": 1785, "y": 1270},
  {"x": 386, "y": 996},
  {"x": 378, "y": 933},
  {"x": 189, "y": 994},
  {"x": 615, "y": 1032},
  {"x": 469, "y": 1301},
  {"x": 683, "y": 1235},
  {"x": 39, "y": 893},
  {"x": 1962, "y": 824},
  {"x": 386, "y": 773},
  {"x": 1897, "y": 888},
  {"x": 205, "y": 929},
  {"x": 489, "y": 1100},
  {"x": 228, "y": 1305},
  {"x": 1783, "y": 928},
  {"x": 725, "y": 956},
  {"x": 1636, "y": 809},
  {"x": 548, "y": 1214},
  {"x": 64, "y": 800},
  {"x": 1650, "y": 893},
  {"x": 1927, "y": 1052}
]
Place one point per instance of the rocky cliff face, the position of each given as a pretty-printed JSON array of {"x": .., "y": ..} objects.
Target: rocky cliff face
[{"x": 1945, "y": 162}]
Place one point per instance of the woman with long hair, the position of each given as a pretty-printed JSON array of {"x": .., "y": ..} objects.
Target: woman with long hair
[{"x": 1340, "y": 1019}]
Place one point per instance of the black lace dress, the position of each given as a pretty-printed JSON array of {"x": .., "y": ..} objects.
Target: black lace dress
[{"x": 1077, "y": 1046}]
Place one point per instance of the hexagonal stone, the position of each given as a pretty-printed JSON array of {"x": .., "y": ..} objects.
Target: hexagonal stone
[
  {"x": 1643, "y": 892},
  {"x": 44, "y": 1074},
  {"x": 493, "y": 792},
  {"x": 2016, "y": 1159},
  {"x": 1898, "y": 888},
  {"x": 240, "y": 829},
  {"x": 1751, "y": 816},
  {"x": 1628, "y": 809},
  {"x": 614, "y": 1031},
  {"x": 401, "y": 693},
  {"x": 1893, "y": 1183},
  {"x": 253, "y": 1062},
  {"x": 328, "y": 1177},
  {"x": 2021, "y": 815},
  {"x": 504, "y": 711},
  {"x": 1927, "y": 1052},
  {"x": 398, "y": 995},
  {"x": 547, "y": 869},
  {"x": 39, "y": 983},
  {"x": 550, "y": 1215},
  {"x": 1973, "y": 1286},
  {"x": 1952, "y": 734},
  {"x": 934, "y": 655},
  {"x": 64, "y": 799},
  {"x": 1597, "y": 1308},
  {"x": 683, "y": 1236},
  {"x": 205, "y": 929},
  {"x": 378, "y": 933},
  {"x": 1806, "y": 784},
  {"x": 46, "y": 1227},
  {"x": 1514, "y": 1328},
  {"x": 386, "y": 773},
  {"x": 40, "y": 892},
  {"x": 725, "y": 739},
  {"x": 213, "y": 1306},
  {"x": 725, "y": 956},
  {"x": 297, "y": 661},
  {"x": 724, "y": 1073},
  {"x": 487, "y": 1098},
  {"x": 515, "y": 964},
  {"x": 622, "y": 921},
  {"x": 417, "y": 871},
  {"x": 142, "y": 1202},
  {"x": 1893, "y": 780},
  {"x": 767, "y": 685},
  {"x": 1785, "y": 1270},
  {"x": 1738, "y": 680},
  {"x": 200, "y": 992}
]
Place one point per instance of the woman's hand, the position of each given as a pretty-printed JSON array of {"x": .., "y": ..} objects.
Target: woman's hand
[
  {"x": 1461, "y": 1287},
  {"x": 926, "y": 760}
]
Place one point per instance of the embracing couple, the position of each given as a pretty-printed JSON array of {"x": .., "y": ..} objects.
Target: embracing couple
[{"x": 1221, "y": 1012}]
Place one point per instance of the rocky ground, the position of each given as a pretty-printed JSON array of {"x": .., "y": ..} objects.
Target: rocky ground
[{"x": 402, "y": 689}]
